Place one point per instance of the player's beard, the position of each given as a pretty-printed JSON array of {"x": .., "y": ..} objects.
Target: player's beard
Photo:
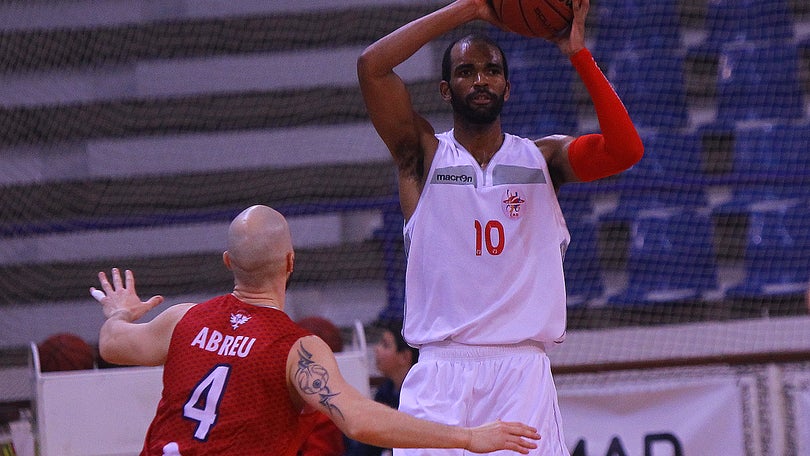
[{"x": 478, "y": 115}]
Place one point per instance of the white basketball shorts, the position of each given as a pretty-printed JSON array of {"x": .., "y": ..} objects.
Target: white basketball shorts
[{"x": 472, "y": 385}]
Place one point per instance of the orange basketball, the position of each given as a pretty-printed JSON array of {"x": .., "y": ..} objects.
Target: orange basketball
[
  {"x": 64, "y": 352},
  {"x": 324, "y": 329},
  {"x": 546, "y": 19}
]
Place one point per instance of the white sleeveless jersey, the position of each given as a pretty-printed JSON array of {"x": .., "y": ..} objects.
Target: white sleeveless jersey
[{"x": 485, "y": 250}]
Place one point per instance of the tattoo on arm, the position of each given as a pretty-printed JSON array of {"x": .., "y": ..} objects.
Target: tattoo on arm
[{"x": 313, "y": 378}]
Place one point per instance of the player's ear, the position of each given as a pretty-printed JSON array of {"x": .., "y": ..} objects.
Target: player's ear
[
  {"x": 507, "y": 90},
  {"x": 290, "y": 262},
  {"x": 226, "y": 258},
  {"x": 444, "y": 90}
]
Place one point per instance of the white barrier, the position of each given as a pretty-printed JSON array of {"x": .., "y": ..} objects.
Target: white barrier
[{"x": 94, "y": 412}]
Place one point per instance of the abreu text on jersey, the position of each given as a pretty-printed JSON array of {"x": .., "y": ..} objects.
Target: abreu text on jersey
[{"x": 224, "y": 345}]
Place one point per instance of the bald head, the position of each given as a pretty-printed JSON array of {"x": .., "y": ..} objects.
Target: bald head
[{"x": 258, "y": 245}]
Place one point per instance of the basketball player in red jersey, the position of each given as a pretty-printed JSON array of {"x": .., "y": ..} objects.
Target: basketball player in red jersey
[
  {"x": 240, "y": 378},
  {"x": 484, "y": 232}
]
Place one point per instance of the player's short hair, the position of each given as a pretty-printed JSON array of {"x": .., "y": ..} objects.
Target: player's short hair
[{"x": 472, "y": 38}]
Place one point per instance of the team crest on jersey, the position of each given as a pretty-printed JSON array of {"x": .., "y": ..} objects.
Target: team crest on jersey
[
  {"x": 512, "y": 204},
  {"x": 238, "y": 319}
]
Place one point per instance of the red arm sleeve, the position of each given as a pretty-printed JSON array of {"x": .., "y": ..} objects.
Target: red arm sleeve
[{"x": 619, "y": 146}]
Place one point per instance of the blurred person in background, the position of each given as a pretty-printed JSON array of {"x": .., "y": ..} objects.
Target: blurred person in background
[{"x": 394, "y": 358}]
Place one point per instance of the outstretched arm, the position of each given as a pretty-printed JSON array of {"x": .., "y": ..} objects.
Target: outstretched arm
[
  {"x": 121, "y": 340},
  {"x": 593, "y": 156},
  {"x": 408, "y": 136},
  {"x": 314, "y": 376},
  {"x": 386, "y": 97}
]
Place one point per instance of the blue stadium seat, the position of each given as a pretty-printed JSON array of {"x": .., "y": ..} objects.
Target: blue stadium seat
[
  {"x": 757, "y": 81},
  {"x": 730, "y": 21},
  {"x": 770, "y": 163},
  {"x": 748, "y": 20},
  {"x": 576, "y": 200},
  {"x": 670, "y": 260},
  {"x": 635, "y": 24},
  {"x": 542, "y": 97},
  {"x": 668, "y": 176},
  {"x": 583, "y": 273},
  {"x": 651, "y": 85},
  {"x": 775, "y": 150},
  {"x": 391, "y": 239},
  {"x": 777, "y": 253}
]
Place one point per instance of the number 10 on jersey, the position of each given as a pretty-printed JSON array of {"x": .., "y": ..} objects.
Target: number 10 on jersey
[{"x": 490, "y": 234}]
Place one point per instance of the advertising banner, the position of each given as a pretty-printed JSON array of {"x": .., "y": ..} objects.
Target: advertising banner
[{"x": 670, "y": 417}]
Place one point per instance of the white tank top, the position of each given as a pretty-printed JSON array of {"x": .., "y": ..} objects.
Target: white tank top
[{"x": 485, "y": 250}]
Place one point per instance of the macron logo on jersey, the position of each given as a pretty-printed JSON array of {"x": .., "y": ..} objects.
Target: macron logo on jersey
[{"x": 454, "y": 175}]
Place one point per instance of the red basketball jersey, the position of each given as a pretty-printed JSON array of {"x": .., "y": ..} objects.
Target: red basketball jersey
[{"x": 224, "y": 384}]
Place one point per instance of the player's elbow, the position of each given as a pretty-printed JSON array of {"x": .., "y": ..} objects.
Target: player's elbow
[
  {"x": 625, "y": 153},
  {"x": 371, "y": 66},
  {"x": 635, "y": 150},
  {"x": 594, "y": 157},
  {"x": 363, "y": 65}
]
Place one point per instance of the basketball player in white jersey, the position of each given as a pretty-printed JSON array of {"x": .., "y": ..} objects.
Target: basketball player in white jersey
[{"x": 484, "y": 233}]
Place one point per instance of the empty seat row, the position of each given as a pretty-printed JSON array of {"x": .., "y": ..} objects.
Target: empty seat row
[
  {"x": 671, "y": 258},
  {"x": 765, "y": 162},
  {"x": 637, "y": 24},
  {"x": 753, "y": 81}
]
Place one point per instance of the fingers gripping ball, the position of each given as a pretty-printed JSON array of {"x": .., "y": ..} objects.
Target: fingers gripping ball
[
  {"x": 546, "y": 19},
  {"x": 64, "y": 352}
]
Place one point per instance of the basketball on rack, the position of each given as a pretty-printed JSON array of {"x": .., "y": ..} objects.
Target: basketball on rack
[
  {"x": 64, "y": 352},
  {"x": 547, "y": 19}
]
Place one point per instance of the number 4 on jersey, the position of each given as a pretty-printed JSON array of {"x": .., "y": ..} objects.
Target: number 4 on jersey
[{"x": 204, "y": 410}]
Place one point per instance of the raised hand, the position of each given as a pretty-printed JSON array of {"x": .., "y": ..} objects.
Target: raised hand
[
  {"x": 121, "y": 298},
  {"x": 574, "y": 40},
  {"x": 486, "y": 12}
]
